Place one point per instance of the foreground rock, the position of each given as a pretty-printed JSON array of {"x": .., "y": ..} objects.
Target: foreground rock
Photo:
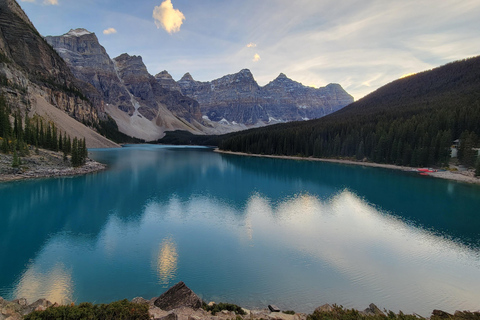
[
  {"x": 178, "y": 296},
  {"x": 181, "y": 303},
  {"x": 42, "y": 165}
]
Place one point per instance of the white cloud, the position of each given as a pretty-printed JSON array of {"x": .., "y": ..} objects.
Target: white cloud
[
  {"x": 109, "y": 31},
  {"x": 256, "y": 57},
  {"x": 51, "y": 2},
  {"x": 167, "y": 17},
  {"x": 251, "y": 45}
]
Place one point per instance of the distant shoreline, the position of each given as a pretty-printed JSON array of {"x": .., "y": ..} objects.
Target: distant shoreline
[{"x": 449, "y": 175}]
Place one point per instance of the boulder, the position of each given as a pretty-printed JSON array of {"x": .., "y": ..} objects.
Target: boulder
[
  {"x": 39, "y": 305},
  {"x": 373, "y": 310},
  {"x": 273, "y": 308},
  {"x": 324, "y": 308},
  {"x": 178, "y": 296},
  {"x": 170, "y": 316},
  {"x": 22, "y": 302},
  {"x": 441, "y": 314}
]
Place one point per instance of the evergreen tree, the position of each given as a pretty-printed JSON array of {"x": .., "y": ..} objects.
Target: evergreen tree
[
  {"x": 16, "y": 160},
  {"x": 75, "y": 153},
  {"x": 5, "y": 146},
  {"x": 85, "y": 151},
  {"x": 5, "y": 126}
]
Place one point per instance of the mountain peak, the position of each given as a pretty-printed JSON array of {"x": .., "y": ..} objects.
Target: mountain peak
[
  {"x": 187, "y": 77},
  {"x": 78, "y": 32},
  {"x": 282, "y": 76},
  {"x": 163, "y": 75},
  {"x": 245, "y": 71}
]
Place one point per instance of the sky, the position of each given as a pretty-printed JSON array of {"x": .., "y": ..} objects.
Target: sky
[{"x": 361, "y": 45}]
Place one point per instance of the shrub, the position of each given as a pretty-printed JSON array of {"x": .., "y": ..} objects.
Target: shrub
[
  {"x": 223, "y": 306},
  {"x": 119, "y": 310}
]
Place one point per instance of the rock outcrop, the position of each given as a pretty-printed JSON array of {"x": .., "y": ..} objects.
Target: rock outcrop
[
  {"x": 89, "y": 62},
  {"x": 140, "y": 105},
  {"x": 178, "y": 296},
  {"x": 31, "y": 71},
  {"x": 237, "y": 98}
]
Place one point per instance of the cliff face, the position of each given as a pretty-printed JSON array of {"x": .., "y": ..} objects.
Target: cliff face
[
  {"x": 34, "y": 79},
  {"x": 139, "y": 104},
  {"x": 89, "y": 62},
  {"x": 237, "y": 98},
  {"x": 30, "y": 66}
]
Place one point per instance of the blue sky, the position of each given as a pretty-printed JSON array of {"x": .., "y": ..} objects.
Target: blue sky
[{"x": 361, "y": 45}]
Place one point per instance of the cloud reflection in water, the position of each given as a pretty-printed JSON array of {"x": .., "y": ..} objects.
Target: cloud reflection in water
[
  {"x": 167, "y": 262},
  {"x": 302, "y": 251}
]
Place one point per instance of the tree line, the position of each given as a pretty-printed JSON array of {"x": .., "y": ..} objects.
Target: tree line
[
  {"x": 26, "y": 134},
  {"x": 410, "y": 122}
]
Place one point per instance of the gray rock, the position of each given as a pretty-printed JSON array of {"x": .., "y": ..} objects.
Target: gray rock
[
  {"x": 170, "y": 316},
  {"x": 441, "y": 314},
  {"x": 273, "y": 308},
  {"x": 178, "y": 296},
  {"x": 39, "y": 305},
  {"x": 324, "y": 308},
  {"x": 373, "y": 310},
  {"x": 22, "y": 302}
]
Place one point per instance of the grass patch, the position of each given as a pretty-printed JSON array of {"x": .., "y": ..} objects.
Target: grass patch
[{"x": 119, "y": 310}]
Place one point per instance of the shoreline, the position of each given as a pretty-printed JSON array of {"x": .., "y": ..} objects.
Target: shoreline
[
  {"x": 447, "y": 175},
  {"x": 47, "y": 164}
]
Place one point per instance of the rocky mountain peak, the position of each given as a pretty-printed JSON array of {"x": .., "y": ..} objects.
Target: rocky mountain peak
[
  {"x": 163, "y": 75},
  {"x": 282, "y": 76},
  {"x": 78, "y": 32},
  {"x": 133, "y": 63},
  {"x": 246, "y": 73},
  {"x": 166, "y": 81},
  {"x": 15, "y": 8},
  {"x": 187, "y": 77}
]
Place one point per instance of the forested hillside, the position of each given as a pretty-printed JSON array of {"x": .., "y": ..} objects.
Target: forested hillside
[{"x": 411, "y": 121}]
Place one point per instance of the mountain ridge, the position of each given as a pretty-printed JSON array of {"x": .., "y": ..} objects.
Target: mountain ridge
[
  {"x": 140, "y": 107},
  {"x": 36, "y": 80},
  {"x": 231, "y": 103},
  {"x": 238, "y": 98},
  {"x": 411, "y": 121}
]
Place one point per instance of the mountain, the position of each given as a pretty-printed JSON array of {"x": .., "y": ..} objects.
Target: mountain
[
  {"x": 411, "y": 121},
  {"x": 238, "y": 99},
  {"x": 35, "y": 79},
  {"x": 140, "y": 106},
  {"x": 145, "y": 107}
]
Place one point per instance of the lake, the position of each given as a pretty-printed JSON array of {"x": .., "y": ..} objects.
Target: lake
[{"x": 247, "y": 230}]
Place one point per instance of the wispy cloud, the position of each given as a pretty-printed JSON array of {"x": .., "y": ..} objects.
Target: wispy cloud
[
  {"x": 251, "y": 45},
  {"x": 167, "y": 17},
  {"x": 109, "y": 31},
  {"x": 256, "y": 57}
]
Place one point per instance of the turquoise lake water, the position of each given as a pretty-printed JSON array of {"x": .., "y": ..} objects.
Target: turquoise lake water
[{"x": 252, "y": 231}]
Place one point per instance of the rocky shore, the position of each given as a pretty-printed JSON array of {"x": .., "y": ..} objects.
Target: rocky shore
[
  {"x": 181, "y": 303},
  {"x": 467, "y": 176},
  {"x": 42, "y": 165}
]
